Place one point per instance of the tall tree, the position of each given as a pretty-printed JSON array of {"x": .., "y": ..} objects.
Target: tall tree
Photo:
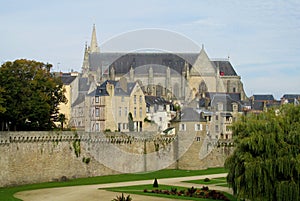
[
  {"x": 266, "y": 162},
  {"x": 2, "y": 109},
  {"x": 31, "y": 94},
  {"x": 62, "y": 120}
]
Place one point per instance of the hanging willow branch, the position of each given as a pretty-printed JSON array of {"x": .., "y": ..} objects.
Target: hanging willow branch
[{"x": 266, "y": 162}]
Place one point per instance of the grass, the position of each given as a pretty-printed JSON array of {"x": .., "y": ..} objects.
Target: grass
[
  {"x": 140, "y": 191},
  {"x": 221, "y": 181},
  {"x": 6, "y": 194}
]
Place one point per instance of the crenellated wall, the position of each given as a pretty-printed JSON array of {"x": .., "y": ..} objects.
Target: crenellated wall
[{"x": 32, "y": 157}]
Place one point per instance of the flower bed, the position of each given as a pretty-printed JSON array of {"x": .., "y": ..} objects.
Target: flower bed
[{"x": 204, "y": 192}]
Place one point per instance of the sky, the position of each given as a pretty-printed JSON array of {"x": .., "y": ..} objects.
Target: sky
[{"x": 261, "y": 38}]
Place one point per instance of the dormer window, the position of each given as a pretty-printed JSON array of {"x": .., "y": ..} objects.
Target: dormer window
[{"x": 97, "y": 99}]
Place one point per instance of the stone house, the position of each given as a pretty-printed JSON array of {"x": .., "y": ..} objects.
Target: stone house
[
  {"x": 109, "y": 106},
  {"x": 158, "y": 110}
]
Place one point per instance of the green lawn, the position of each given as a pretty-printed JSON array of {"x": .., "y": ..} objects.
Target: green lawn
[
  {"x": 221, "y": 181},
  {"x": 140, "y": 191},
  {"x": 6, "y": 194}
]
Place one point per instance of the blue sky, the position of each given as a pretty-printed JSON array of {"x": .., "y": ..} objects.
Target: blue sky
[{"x": 262, "y": 38}]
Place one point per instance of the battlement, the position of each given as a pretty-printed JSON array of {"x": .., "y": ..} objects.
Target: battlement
[{"x": 55, "y": 136}]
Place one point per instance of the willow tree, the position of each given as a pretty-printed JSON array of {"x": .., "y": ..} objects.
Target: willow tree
[{"x": 266, "y": 162}]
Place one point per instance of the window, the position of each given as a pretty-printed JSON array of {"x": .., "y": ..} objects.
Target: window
[
  {"x": 120, "y": 111},
  {"x": 122, "y": 99},
  {"x": 134, "y": 99},
  {"x": 97, "y": 112},
  {"x": 97, "y": 99},
  {"x": 134, "y": 112},
  {"x": 220, "y": 106},
  {"x": 233, "y": 90},
  {"x": 235, "y": 107},
  {"x": 217, "y": 117},
  {"x": 125, "y": 126},
  {"x": 141, "y": 112},
  {"x": 198, "y": 127},
  {"x": 217, "y": 128},
  {"x": 141, "y": 99},
  {"x": 97, "y": 127},
  {"x": 125, "y": 111},
  {"x": 182, "y": 127},
  {"x": 160, "y": 119},
  {"x": 198, "y": 139},
  {"x": 119, "y": 126}
]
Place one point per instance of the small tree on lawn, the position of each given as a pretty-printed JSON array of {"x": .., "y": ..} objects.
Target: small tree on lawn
[{"x": 155, "y": 184}]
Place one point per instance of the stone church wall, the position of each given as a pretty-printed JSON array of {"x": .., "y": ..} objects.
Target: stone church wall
[{"x": 33, "y": 157}]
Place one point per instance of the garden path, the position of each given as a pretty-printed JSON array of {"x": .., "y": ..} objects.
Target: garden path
[{"x": 92, "y": 192}]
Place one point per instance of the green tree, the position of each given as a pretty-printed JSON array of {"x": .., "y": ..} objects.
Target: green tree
[
  {"x": 62, "y": 120},
  {"x": 2, "y": 109},
  {"x": 266, "y": 162},
  {"x": 130, "y": 122},
  {"x": 32, "y": 95}
]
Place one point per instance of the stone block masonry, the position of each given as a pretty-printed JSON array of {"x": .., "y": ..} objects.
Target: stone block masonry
[{"x": 34, "y": 157}]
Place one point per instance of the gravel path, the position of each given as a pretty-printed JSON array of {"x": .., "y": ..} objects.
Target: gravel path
[{"x": 92, "y": 192}]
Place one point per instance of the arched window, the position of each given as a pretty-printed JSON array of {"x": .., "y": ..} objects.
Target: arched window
[
  {"x": 202, "y": 88},
  {"x": 159, "y": 90},
  {"x": 176, "y": 90}
]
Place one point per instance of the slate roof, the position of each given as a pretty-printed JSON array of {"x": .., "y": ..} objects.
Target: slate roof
[
  {"x": 67, "y": 79},
  {"x": 152, "y": 100},
  {"x": 191, "y": 115},
  {"x": 122, "y": 62},
  {"x": 226, "y": 98},
  {"x": 225, "y": 67},
  {"x": 263, "y": 97},
  {"x": 291, "y": 98},
  {"x": 233, "y": 96},
  {"x": 101, "y": 90},
  {"x": 83, "y": 84},
  {"x": 80, "y": 99}
]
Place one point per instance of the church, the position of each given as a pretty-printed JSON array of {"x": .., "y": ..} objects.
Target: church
[{"x": 174, "y": 76}]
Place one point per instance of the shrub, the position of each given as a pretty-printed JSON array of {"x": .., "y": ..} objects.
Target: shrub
[
  {"x": 122, "y": 198},
  {"x": 173, "y": 190},
  {"x": 206, "y": 180},
  {"x": 86, "y": 160},
  {"x": 155, "y": 184},
  {"x": 205, "y": 188}
]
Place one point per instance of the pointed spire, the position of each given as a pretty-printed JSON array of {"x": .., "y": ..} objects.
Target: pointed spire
[
  {"x": 85, "y": 64},
  {"x": 94, "y": 45}
]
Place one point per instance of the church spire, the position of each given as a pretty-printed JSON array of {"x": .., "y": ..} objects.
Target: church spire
[
  {"x": 85, "y": 64},
  {"x": 94, "y": 45}
]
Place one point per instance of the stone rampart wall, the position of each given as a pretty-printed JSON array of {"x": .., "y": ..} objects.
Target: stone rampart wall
[{"x": 32, "y": 157}]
